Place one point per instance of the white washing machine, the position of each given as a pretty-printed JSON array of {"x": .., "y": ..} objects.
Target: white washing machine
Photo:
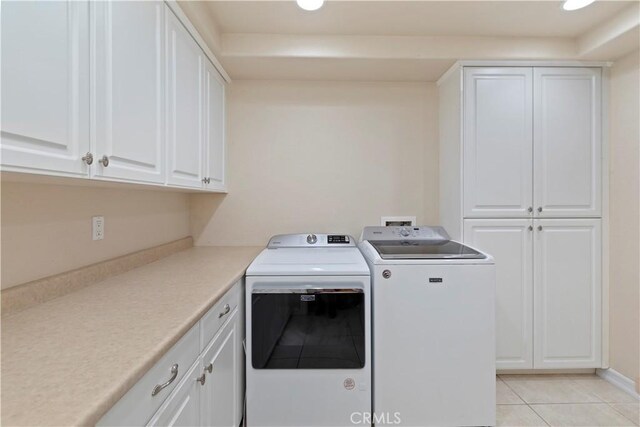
[
  {"x": 308, "y": 333},
  {"x": 433, "y": 325}
]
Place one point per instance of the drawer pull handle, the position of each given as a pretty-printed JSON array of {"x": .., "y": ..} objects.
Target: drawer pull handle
[
  {"x": 202, "y": 379},
  {"x": 158, "y": 388},
  {"x": 104, "y": 161},
  {"x": 209, "y": 367},
  {"x": 88, "y": 158},
  {"x": 226, "y": 311}
]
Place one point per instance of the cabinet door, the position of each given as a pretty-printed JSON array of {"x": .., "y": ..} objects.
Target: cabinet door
[
  {"x": 214, "y": 135},
  {"x": 185, "y": 62},
  {"x": 182, "y": 407},
  {"x": 497, "y": 132},
  {"x": 567, "y": 296},
  {"x": 128, "y": 105},
  {"x": 568, "y": 149},
  {"x": 45, "y": 86},
  {"x": 220, "y": 392},
  {"x": 510, "y": 242}
]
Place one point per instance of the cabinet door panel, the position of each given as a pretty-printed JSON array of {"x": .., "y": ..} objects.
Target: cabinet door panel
[
  {"x": 45, "y": 86},
  {"x": 182, "y": 408},
  {"x": 510, "y": 242},
  {"x": 219, "y": 395},
  {"x": 214, "y": 127},
  {"x": 128, "y": 103},
  {"x": 568, "y": 150},
  {"x": 567, "y": 298},
  {"x": 185, "y": 63},
  {"x": 497, "y": 153}
]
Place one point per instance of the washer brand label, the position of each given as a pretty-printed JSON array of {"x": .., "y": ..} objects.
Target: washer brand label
[
  {"x": 349, "y": 384},
  {"x": 307, "y": 298},
  {"x": 435, "y": 279}
]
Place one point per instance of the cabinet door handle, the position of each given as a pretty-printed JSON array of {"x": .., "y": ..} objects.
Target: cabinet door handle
[
  {"x": 88, "y": 158},
  {"x": 209, "y": 368},
  {"x": 539, "y": 228},
  {"x": 158, "y": 388},
  {"x": 530, "y": 209},
  {"x": 104, "y": 161},
  {"x": 226, "y": 311},
  {"x": 539, "y": 209},
  {"x": 530, "y": 228},
  {"x": 202, "y": 379}
]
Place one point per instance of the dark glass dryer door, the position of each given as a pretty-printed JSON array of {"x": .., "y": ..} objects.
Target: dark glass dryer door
[{"x": 307, "y": 329}]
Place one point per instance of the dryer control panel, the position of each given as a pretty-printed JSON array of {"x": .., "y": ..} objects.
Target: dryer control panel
[{"x": 310, "y": 240}]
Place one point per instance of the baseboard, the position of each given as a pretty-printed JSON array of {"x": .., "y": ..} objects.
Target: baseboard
[
  {"x": 617, "y": 379},
  {"x": 544, "y": 371}
]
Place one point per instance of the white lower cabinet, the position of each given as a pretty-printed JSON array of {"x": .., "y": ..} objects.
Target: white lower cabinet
[
  {"x": 219, "y": 396},
  {"x": 510, "y": 241},
  {"x": 209, "y": 392},
  {"x": 567, "y": 293},
  {"x": 182, "y": 408},
  {"x": 548, "y": 309}
]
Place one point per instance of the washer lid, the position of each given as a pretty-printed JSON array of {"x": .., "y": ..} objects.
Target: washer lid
[
  {"x": 316, "y": 261},
  {"x": 424, "y": 249}
]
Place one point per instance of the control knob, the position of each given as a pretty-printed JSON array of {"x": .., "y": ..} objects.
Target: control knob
[
  {"x": 311, "y": 239},
  {"x": 405, "y": 232}
]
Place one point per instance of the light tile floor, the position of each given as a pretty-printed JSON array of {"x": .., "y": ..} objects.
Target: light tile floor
[{"x": 562, "y": 400}]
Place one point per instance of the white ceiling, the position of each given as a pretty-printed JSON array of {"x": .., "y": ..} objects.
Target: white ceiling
[
  {"x": 405, "y": 40},
  {"x": 413, "y": 18}
]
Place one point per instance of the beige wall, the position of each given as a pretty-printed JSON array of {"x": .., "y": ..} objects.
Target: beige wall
[
  {"x": 322, "y": 157},
  {"x": 624, "y": 232},
  {"x": 46, "y": 229}
]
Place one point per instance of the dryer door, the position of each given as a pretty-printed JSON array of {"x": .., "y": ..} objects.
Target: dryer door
[{"x": 308, "y": 328}]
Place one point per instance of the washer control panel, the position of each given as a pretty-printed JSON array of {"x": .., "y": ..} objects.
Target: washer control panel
[{"x": 434, "y": 233}]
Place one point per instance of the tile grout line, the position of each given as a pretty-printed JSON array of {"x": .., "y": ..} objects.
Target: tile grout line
[
  {"x": 539, "y": 415},
  {"x": 623, "y": 415},
  {"x": 575, "y": 383},
  {"x": 525, "y": 402},
  {"x": 514, "y": 392}
]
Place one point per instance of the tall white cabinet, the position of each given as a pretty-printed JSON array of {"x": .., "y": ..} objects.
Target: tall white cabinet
[{"x": 521, "y": 178}]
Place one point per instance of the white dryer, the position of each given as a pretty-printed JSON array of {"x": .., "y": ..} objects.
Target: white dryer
[
  {"x": 433, "y": 328},
  {"x": 308, "y": 333}
]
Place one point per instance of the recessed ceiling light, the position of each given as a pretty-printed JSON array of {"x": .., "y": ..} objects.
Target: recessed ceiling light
[
  {"x": 576, "y": 4},
  {"x": 311, "y": 4}
]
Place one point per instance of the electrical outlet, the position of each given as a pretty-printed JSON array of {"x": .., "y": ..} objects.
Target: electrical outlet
[{"x": 98, "y": 227}]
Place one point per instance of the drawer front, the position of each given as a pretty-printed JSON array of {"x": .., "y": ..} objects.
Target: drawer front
[
  {"x": 219, "y": 314},
  {"x": 138, "y": 405}
]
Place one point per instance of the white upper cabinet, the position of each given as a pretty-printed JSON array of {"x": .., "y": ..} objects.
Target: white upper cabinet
[
  {"x": 128, "y": 102},
  {"x": 185, "y": 63},
  {"x": 45, "y": 87},
  {"x": 214, "y": 137},
  {"x": 110, "y": 90},
  {"x": 567, "y": 297},
  {"x": 510, "y": 242},
  {"x": 497, "y": 132},
  {"x": 567, "y": 141}
]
